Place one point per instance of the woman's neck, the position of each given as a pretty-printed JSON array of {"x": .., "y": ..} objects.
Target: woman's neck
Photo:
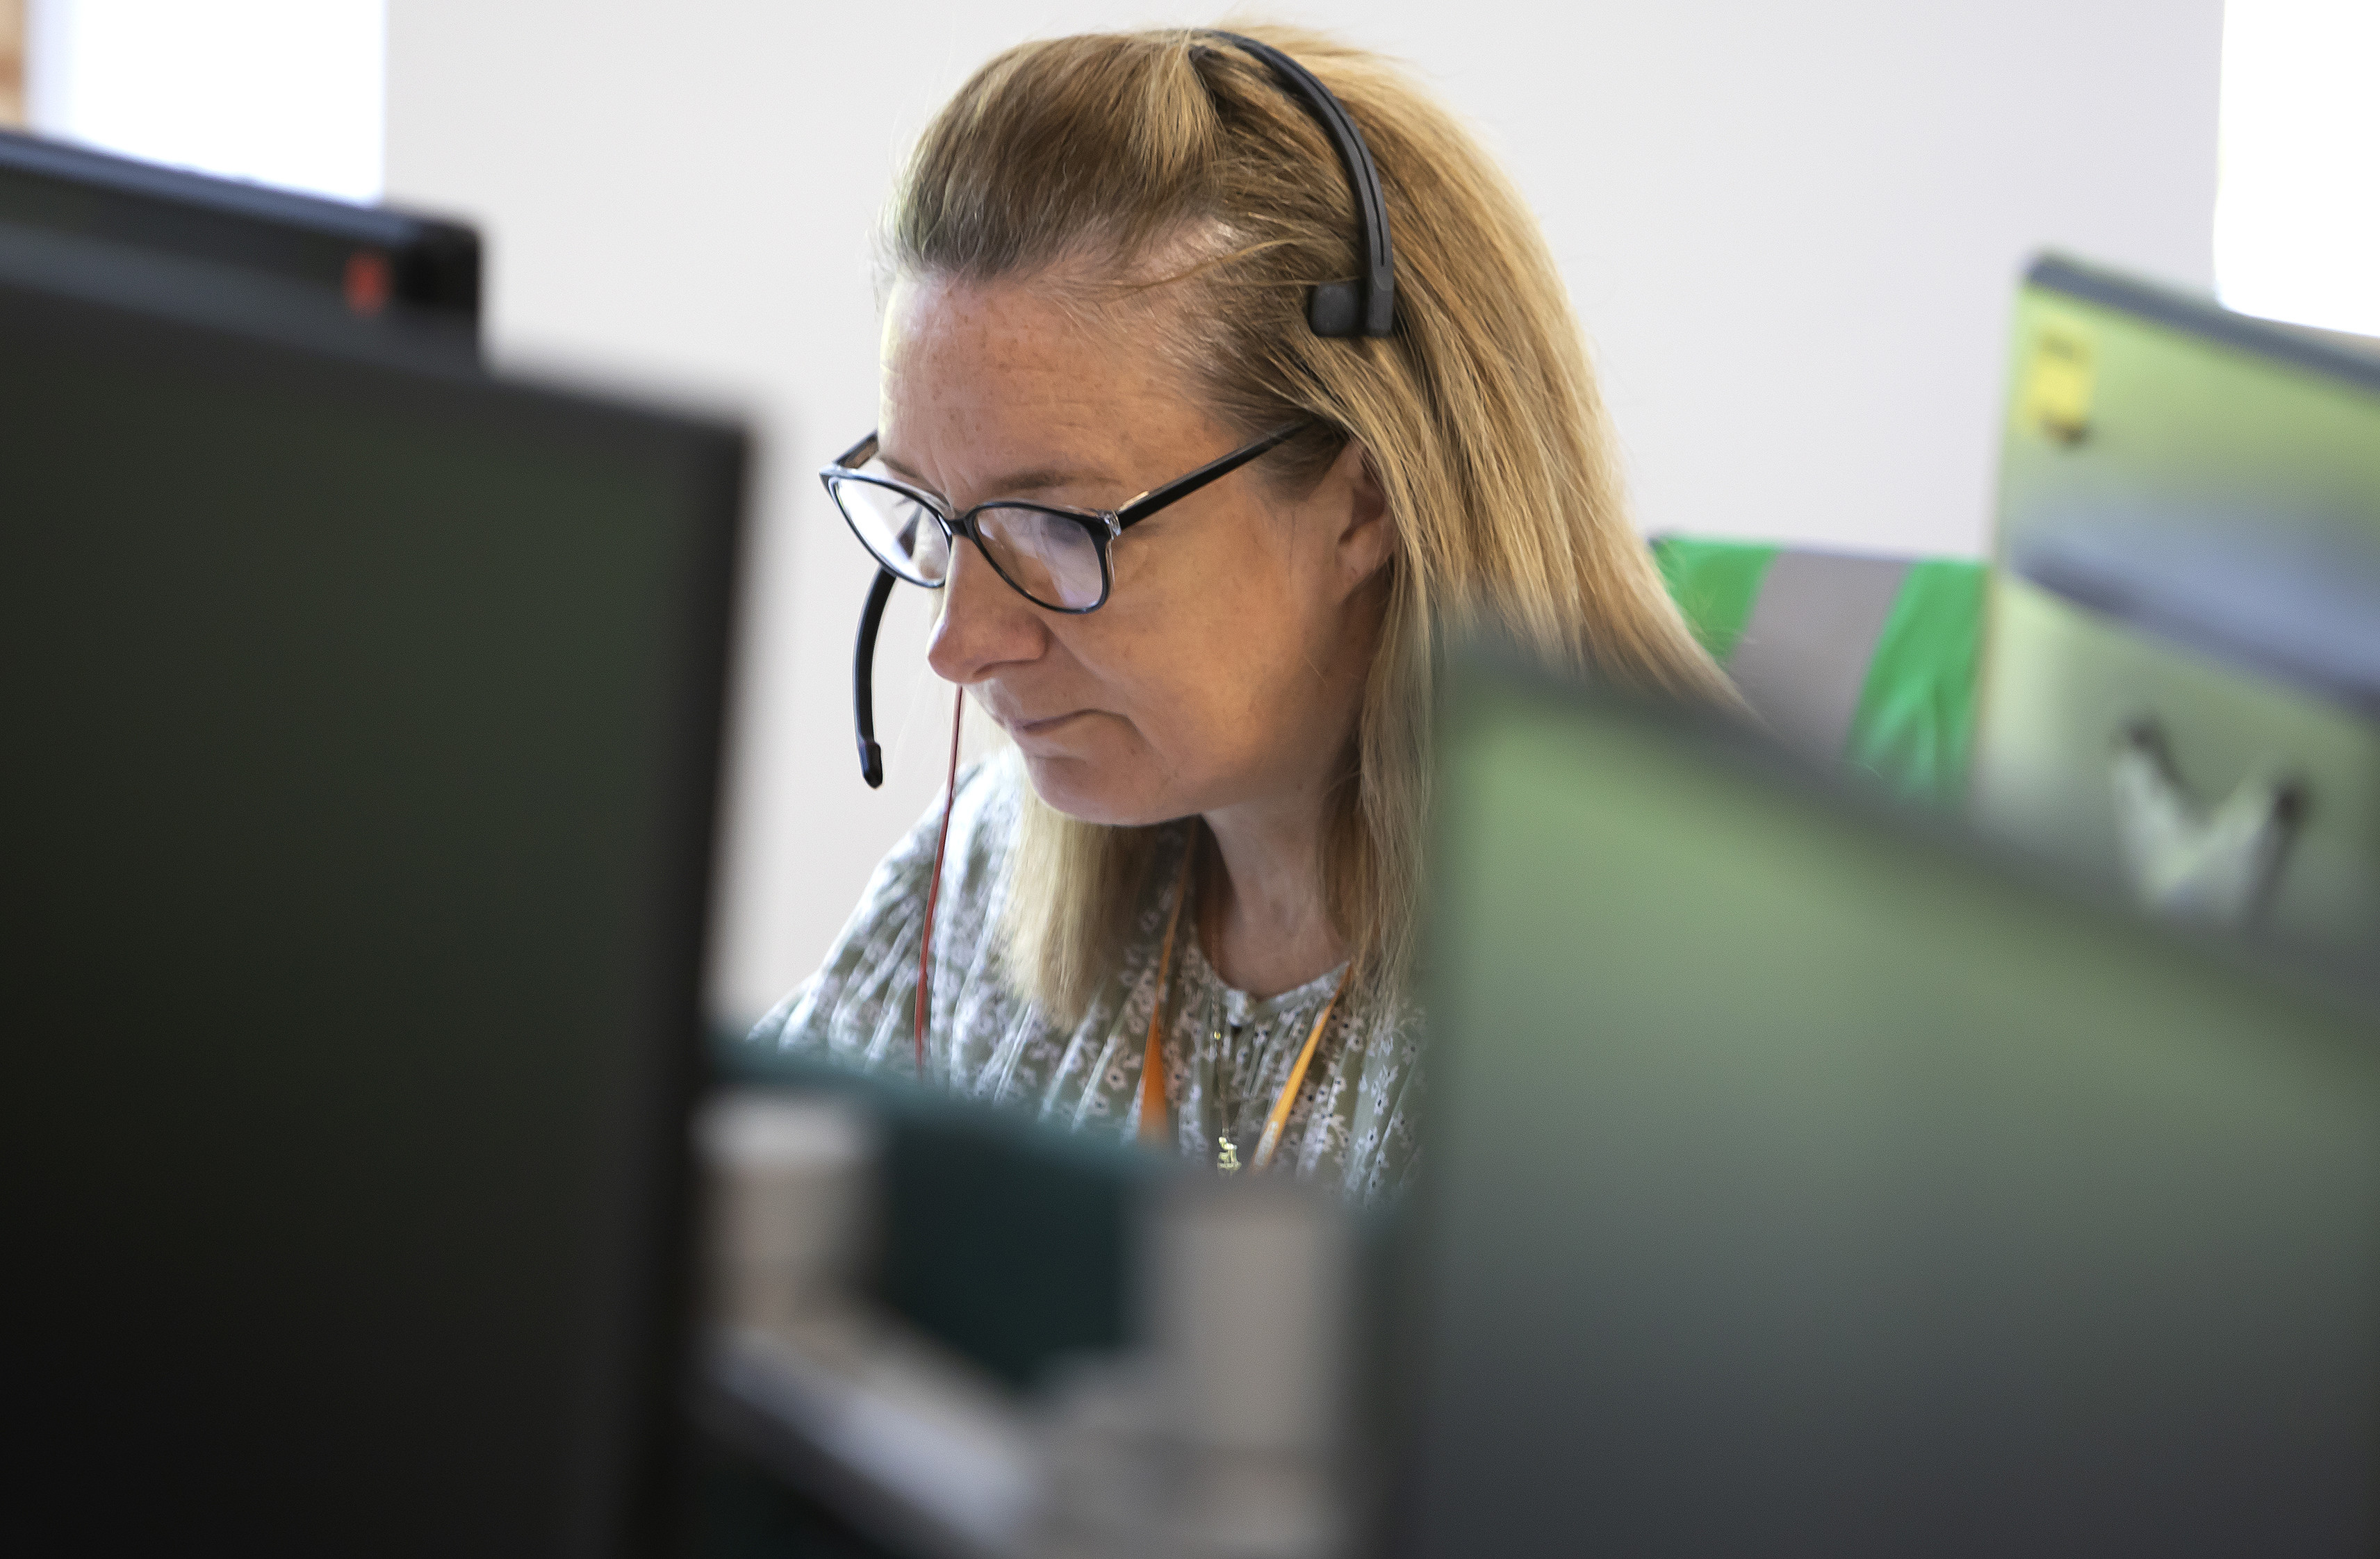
[{"x": 1265, "y": 929}]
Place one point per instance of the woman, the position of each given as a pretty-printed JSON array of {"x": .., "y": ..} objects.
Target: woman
[{"x": 1180, "y": 903}]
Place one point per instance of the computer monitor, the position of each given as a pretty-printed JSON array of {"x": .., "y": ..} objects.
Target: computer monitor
[
  {"x": 1806, "y": 1182},
  {"x": 363, "y": 728},
  {"x": 2182, "y": 662},
  {"x": 380, "y": 264}
]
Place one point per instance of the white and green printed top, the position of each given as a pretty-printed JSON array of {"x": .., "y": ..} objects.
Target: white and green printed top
[{"x": 1227, "y": 1054}]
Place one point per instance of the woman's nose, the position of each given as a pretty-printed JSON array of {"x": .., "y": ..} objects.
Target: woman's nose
[{"x": 984, "y": 624}]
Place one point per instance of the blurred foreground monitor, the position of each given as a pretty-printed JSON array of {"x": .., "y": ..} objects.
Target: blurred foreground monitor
[
  {"x": 2180, "y": 684},
  {"x": 390, "y": 273},
  {"x": 1808, "y": 1183},
  {"x": 364, "y": 716}
]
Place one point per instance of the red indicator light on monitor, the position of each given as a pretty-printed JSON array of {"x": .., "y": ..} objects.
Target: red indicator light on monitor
[{"x": 367, "y": 282}]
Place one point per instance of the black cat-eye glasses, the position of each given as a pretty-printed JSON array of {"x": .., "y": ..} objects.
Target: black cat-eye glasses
[{"x": 1053, "y": 555}]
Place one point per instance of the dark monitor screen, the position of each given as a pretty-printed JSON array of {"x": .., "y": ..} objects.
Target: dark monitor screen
[
  {"x": 374, "y": 259},
  {"x": 1805, "y": 1183},
  {"x": 363, "y": 732}
]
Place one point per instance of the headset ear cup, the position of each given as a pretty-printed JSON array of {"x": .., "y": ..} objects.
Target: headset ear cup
[{"x": 1332, "y": 309}]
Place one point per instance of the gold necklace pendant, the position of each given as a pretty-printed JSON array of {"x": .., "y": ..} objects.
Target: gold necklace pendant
[{"x": 1226, "y": 1155}]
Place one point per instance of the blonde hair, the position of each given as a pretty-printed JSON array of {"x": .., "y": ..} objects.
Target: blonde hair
[{"x": 1480, "y": 416}]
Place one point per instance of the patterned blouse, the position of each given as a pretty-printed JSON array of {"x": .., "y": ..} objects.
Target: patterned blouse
[{"x": 1227, "y": 1054}]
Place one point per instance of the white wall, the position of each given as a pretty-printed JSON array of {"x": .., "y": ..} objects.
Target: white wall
[
  {"x": 1792, "y": 231},
  {"x": 280, "y": 91},
  {"x": 2297, "y": 233}
]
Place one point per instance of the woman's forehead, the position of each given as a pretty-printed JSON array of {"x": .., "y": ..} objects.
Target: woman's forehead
[
  {"x": 988, "y": 381},
  {"x": 945, "y": 336}
]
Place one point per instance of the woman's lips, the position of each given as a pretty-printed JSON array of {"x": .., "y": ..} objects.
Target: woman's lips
[{"x": 1048, "y": 727}]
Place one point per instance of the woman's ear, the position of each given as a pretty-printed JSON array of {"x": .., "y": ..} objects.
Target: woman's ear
[{"x": 1366, "y": 534}]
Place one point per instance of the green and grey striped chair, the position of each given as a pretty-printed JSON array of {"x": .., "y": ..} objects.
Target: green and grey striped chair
[{"x": 1868, "y": 662}]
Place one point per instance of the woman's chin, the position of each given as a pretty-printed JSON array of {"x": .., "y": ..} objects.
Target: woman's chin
[{"x": 1091, "y": 793}]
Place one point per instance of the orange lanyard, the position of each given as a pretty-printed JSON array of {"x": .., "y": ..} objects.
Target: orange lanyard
[{"x": 1155, "y": 1111}]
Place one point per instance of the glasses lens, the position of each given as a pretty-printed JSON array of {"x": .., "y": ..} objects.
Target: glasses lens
[
  {"x": 1049, "y": 556},
  {"x": 901, "y": 532}
]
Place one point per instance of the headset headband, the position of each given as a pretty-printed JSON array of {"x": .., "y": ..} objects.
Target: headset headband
[{"x": 1366, "y": 306}]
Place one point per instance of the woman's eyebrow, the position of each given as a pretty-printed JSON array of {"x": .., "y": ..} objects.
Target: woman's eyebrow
[
  {"x": 1039, "y": 478},
  {"x": 1015, "y": 484},
  {"x": 894, "y": 465}
]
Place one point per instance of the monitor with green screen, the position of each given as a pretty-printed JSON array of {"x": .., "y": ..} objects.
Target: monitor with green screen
[
  {"x": 1804, "y": 1181},
  {"x": 2181, "y": 664}
]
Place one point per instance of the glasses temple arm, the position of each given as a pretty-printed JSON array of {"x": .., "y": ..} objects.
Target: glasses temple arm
[
  {"x": 1149, "y": 503},
  {"x": 863, "y": 678}
]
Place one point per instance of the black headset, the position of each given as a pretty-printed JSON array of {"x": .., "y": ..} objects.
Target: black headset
[{"x": 1366, "y": 306}]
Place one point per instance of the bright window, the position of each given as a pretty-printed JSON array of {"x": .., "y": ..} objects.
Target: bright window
[
  {"x": 2297, "y": 220},
  {"x": 283, "y": 92}
]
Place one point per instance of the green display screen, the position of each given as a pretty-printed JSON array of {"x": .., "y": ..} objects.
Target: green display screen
[
  {"x": 2224, "y": 472},
  {"x": 1806, "y": 1181}
]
